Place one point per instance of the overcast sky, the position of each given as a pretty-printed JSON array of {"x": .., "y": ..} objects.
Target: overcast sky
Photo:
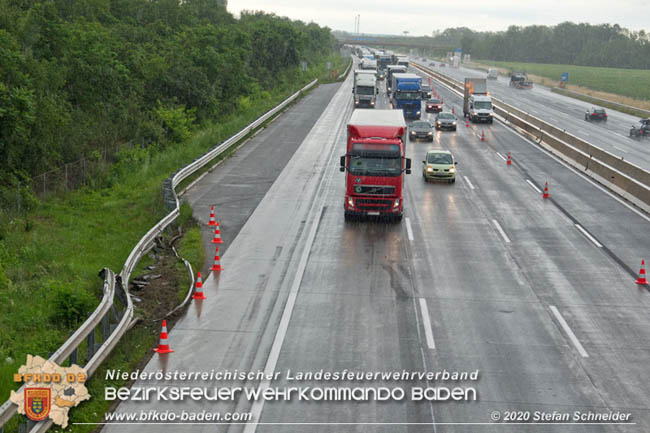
[{"x": 421, "y": 17}]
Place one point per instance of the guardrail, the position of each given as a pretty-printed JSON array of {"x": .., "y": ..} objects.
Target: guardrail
[
  {"x": 106, "y": 310},
  {"x": 629, "y": 180}
]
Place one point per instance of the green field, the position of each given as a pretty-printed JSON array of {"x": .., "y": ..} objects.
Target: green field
[{"x": 634, "y": 83}]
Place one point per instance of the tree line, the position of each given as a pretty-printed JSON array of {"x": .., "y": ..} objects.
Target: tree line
[
  {"x": 566, "y": 43},
  {"x": 76, "y": 77}
]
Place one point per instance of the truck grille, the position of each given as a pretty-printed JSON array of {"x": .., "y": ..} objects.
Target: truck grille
[
  {"x": 371, "y": 204},
  {"x": 374, "y": 190}
]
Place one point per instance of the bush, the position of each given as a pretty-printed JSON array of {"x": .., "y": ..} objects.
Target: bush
[{"x": 70, "y": 306}]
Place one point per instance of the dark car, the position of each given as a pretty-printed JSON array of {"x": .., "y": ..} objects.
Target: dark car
[
  {"x": 432, "y": 63},
  {"x": 643, "y": 130},
  {"x": 445, "y": 121},
  {"x": 433, "y": 106},
  {"x": 421, "y": 129},
  {"x": 596, "y": 114},
  {"x": 426, "y": 91}
]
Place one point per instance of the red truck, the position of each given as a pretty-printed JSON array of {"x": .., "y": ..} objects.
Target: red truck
[{"x": 375, "y": 163}]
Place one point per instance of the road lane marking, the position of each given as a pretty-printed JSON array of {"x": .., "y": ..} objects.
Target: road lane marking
[
  {"x": 619, "y": 149},
  {"x": 426, "y": 322},
  {"x": 588, "y": 235},
  {"x": 468, "y": 182},
  {"x": 501, "y": 156},
  {"x": 569, "y": 332},
  {"x": 409, "y": 230},
  {"x": 500, "y": 229},
  {"x": 534, "y": 186}
]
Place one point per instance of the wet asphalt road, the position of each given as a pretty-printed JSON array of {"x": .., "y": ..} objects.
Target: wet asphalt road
[{"x": 480, "y": 275}]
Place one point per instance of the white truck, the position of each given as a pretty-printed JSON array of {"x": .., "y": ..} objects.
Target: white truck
[
  {"x": 365, "y": 90},
  {"x": 477, "y": 102}
]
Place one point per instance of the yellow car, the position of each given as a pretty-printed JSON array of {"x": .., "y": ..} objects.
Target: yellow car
[{"x": 439, "y": 164}]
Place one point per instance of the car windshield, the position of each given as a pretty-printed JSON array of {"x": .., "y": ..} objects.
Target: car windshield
[
  {"x": 434, "y": 101},
  {"x": 425, "y": 88},
  {"x": 446, "y": 116},
  {"x": 375, "y": 166},
  {"x": 599, "y": 111},
  {"x": 408, "y": 95},
  {"x": 439, "y": 158},
  {"x": 365, "y": 90},
  {"x": 421, "y": 125},
  {"x": 483, "y": 105}
]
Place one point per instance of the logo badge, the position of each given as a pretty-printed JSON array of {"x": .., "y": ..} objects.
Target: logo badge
[
  {"x": 358, "y": 179},
  {"x": 37, "y": 403}
]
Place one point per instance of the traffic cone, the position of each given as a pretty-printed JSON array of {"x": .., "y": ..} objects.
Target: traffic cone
[
  {"x": 482, "y": 135},
  {"x": 509, "y": 161},
  {"x": 217, "y": 237},
  {"x": 641, "y": 279},
  {"x": 452, "y": 110},
  {"x": 217, "y": 261},
  {"x": 198, "y": 289},
  {"x": 466, "y": 123},
  {"x": 163, "y": 345},
  {"x": 212, "y": 222},
  {"x": 546, "y": 194}
]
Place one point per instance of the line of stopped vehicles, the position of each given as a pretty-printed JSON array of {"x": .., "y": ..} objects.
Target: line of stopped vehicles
[{"x": 375, "y": 161}]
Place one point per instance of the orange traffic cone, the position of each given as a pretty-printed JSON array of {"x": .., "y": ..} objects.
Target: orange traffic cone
[
  {"x": 217, "y": 236},
  {"x": 466, "y": 123},
  {"x": 212, "y": 222},
  {"x": 163, "y": 345},
  {"x": 546, "y": 194},
  {"x": 198, "y": 289},
  {"x": 452, "y": 110},
  {"x": 641, "y": 279},
  {"x": 509, "y": 161},
  {"x": 482, "y": 135},
  {"x": 217, "y": 261}
]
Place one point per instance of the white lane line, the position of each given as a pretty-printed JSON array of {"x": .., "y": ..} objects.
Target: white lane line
[
  {"x": 426, "y": 322},
  {"x": 533, "y": 185},
  {"x": 468, "y": 182},
  {"x": 586, "y": 233},
  {"x": 569, "y": 332},
  {"x": 409, "y": 230},
  {"x": 500, "y": 229},
  {"x": 619, "y": 149},
  {"x": 501, "y": 156}
]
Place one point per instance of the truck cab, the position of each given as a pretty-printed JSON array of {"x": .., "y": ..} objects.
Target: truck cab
[
  {"x": 390, "y": 70},
  {"x": 365, "y": 91}
]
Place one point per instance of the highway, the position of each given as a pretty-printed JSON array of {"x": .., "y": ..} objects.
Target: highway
[
  {"x": 537, "y": 295},
  {"x": 567, "y": 113}
]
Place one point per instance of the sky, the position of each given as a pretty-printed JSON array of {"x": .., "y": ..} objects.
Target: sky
[{"x": 422, "y": 17}]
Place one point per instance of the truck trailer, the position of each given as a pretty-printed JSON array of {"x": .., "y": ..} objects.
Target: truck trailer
[
  {"x": 375, "y": 164},
  {"x": 477, "y": 102},
  {"x": 390, "y": 70},
  {"x": 406, "y": 94}
]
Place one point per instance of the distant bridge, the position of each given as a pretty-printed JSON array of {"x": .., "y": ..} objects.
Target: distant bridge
[{"x": 422, "y": 42}]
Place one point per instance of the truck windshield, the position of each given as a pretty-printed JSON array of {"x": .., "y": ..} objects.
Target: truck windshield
[
  {"x": 365, "y": 90},
  {"x": 375, "y": 165},
  {"x": 483, "y": 105},
  {"x": 408, "y": 95}
]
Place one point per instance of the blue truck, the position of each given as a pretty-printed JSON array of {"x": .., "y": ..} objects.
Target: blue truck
[{"x": 406, "y": 94}]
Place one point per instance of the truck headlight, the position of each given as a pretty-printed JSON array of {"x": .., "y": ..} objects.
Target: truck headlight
[
  {"x": 372, "y": 102},
  {"x": 453, "y": 123},
  {"x": 396, "y": 204},
  {"x": 350, "y": 202},
  {"x": 438, "y": 123},
  {"x": 412, "y": 132},
  {"x": 429, "y": 169},
  {"x": 452, "y": 170},
  {"x": 429, "y": 133},
  {"x": 418, "y": 113}
]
